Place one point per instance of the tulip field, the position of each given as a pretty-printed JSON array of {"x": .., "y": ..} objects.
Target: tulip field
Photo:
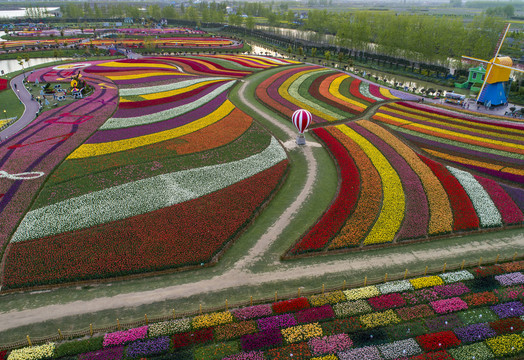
[
  {"x": 158, "y": 170},
  {"x": 461, "y": 315},
  {"x": 156, "y": 163},
  {"x": 394, "y": 185}
]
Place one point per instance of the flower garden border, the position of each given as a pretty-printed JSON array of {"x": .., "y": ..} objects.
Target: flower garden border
[{"x": 59, "y": 336}]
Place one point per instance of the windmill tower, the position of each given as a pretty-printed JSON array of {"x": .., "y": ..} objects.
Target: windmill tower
[{"x": 498, "y": 71}]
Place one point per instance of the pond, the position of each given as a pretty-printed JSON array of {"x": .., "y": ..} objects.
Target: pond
[{"x": 8, "y": 66}]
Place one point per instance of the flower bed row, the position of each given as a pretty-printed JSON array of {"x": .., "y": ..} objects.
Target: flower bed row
[{"x": 432, "y": 317}]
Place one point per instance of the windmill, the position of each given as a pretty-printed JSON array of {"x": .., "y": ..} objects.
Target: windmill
[{"x": 497, "y": 73}]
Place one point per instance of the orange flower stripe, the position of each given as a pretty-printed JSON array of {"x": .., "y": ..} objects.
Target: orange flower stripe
[{"x": 334, "y": 92}]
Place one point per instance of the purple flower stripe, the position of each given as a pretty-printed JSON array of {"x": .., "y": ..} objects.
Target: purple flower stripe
[
  {"x": 416, "y": 215},
  {"x": 475, "y": 332},
  {"x": 114, "y": 353},
  {"x": 276, "y": 322},
  {"x": 510, "y": 309},
  {"x": 315, "y": 314},
  {"x": 136, "y": 131},
  {"x": 148, "y": 347},
  {"x": 252, "y": 312},
  {"x": 403, "y": 95},
  {"x": 261, "y": 340},
  {"x": 365, "y": 353},
  {"x": 451, "y": 290},
  {"x": 133, "y": 112},
  {"x": 122, "y": 337},
  {"x": 516, "y": 194}
]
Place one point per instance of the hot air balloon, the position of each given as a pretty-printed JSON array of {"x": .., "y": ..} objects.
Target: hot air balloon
[{"x": 301, "y": 119}]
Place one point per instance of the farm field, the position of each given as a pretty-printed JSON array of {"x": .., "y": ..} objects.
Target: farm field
[{"x": 161, "y": 170}]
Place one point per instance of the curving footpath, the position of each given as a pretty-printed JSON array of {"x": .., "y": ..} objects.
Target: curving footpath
[{"x": 30, "y": 111}]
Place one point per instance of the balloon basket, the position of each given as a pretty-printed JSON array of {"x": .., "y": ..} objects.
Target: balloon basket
[{"x": 301, "y": 140}]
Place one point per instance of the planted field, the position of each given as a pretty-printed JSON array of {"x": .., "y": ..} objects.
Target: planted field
[
  {"x": 165, "y": 180},
  {"x": 462, "y": 315},
  {"x": 395, "y": 185}
]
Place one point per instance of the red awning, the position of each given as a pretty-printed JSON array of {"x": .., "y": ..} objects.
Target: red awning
[{"x": 3, "y": 84}]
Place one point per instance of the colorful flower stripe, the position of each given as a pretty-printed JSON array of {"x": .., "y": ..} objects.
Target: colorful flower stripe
[
  {"x": 334, "y": 89},
  {"x": 371, "y": 90},
  {"x": 165, "y": 111},
  {"x": 441, "y": 215},
  {"x": 393, "y": 203},
  {"x": 416, "y": 216},
  {"x": 178, "y": 228},
  {"x": 172, "y": 93},
  {"x": 88, "y": 150},
  {"x": 451, "y": 135},
  {"x": 289, "y": 91},
  {"x": 140, "y": 197},
  {"x": 486, "y": 210},
  {"x": 205, "y": 66},
  {"x": 509, "y": 211},
  {"x": 368, "y": 205},
  {"x": 319, "y": 90},
  {"x": 464, "y": 215},
  {"x": 251, "y": 61},
  {"x": 516, "y": 194},
  {"x": 519, "y": 179},
  {"x": 166, "y": 87},
  {"x": 143, "y": 75},
  {"x": 354, "y": 89},
  {"x": 333, "y": 219},
  {"x": 454, "y": 121},
  {"x": 144, "y": 162}
]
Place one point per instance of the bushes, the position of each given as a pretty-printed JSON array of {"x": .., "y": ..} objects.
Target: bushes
[{"x": 77, "y": 347}]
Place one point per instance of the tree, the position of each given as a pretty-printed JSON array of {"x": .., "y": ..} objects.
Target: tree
[
  {"x": 154, "y": 11},
  {"x": 455, "y": 3},
  {"x": 169, "y": 12},
  {"x": 327, "y": 55},
  {"x": 250, "y": 22},
  {"x": 97, "y": 11},
  {"x": 508, "y": 10},
  {"x": 314, "y": 52}
]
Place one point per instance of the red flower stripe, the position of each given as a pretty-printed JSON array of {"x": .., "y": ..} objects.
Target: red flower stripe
[
  {"x": 368, "y": 205},
  {"x": 465, "y": 217},
  {"x": 333, "y": 219},
  {"x": 190, "y": 338},
  {"x": 510, "y": 212},
  {"x": 355, "y": 91},
  {"x": 189, "y": 233},
  {"x": 205, "y": 66},
  {"x": 375, "y": 91}
]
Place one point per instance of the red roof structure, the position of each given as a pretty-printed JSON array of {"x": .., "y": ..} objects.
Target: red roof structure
[{"x": 3, "y": 84}]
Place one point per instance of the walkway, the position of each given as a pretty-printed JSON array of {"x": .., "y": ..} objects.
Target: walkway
[{"x": 31, "y": 108}]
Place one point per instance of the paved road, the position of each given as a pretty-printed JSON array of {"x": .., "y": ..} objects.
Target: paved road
[{"x": 31, "y": 108}]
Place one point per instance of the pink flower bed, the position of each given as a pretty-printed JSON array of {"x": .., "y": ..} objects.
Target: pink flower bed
[
  {"x": 330, "y": 344},
  {"x": 122, "y": 337},
  {"x": 252, "y": 312},
  {"x": 449, "y": 305}
]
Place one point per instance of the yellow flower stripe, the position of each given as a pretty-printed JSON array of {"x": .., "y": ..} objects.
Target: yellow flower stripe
[
  {"x": 213, "y": 319},
  {"x": 453, "y": 119},
  {"x": 463, "y": 160},
  {"x": 393, "y": 203},
  {"x": 283, "y": 90},
  {"x": 87, "y": 150},
  {"x": 467, "y": 126},
  {"x": 334, "y": 90},
  {"x": 379, "y": 319},
  {"x": 164, "y": 94},
  {"x": 301, "y": 332},
  {"x": 440, "y": 212},
  {"x": 145, "y": 75},
  {"x": 518, "y": 148},
  {"x": 2, "y": 122},
  {"x": 118, "y": 64},
  {"x": 387, "y": 93},
  {"x": 427, "y": 281}
]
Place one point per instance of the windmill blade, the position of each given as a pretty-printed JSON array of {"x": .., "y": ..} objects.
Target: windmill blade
[
  {"x": 475, "y": 59},
  {"x": 501, "y": 40}
]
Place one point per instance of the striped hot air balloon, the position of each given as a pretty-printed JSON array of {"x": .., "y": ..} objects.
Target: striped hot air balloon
[{"x": 301, "y": 119}]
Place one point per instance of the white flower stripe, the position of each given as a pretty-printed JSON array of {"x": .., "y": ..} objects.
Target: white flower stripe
[
  {"x": 143, "y": 196},
  {"x": 118, "y": 123},
  {"x": 487, "y": 212},
  {"x": 364, "y": 90},
  {"x": 167, "y": 87}
]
